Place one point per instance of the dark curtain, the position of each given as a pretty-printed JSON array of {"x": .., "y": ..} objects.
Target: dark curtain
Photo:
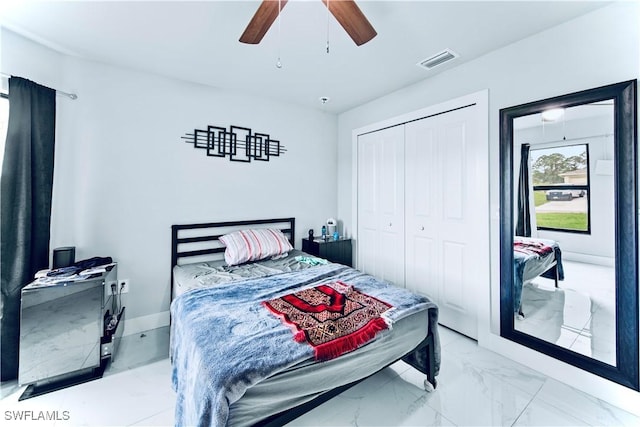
[
  {"x": 523, "y": 224},
  {"x": 25, "y": 193}
]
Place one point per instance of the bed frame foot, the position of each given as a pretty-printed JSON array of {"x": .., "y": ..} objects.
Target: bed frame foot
[
  {"x": 423, "y": 359},
  {"x": 428, "y": 387}
]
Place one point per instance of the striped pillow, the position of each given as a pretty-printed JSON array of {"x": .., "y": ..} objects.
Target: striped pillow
[{"x": 254, "y": 245}]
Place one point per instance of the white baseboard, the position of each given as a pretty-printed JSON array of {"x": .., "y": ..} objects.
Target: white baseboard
[
  {"x": 145, "y": 323},
  {"x": 588, "y": 259}
]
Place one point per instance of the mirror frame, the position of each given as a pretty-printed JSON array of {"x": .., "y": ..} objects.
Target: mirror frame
[{"x": 626, "y": 231}]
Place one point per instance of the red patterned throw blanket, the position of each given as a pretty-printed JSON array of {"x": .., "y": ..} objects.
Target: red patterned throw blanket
[{"x": 333, "y": 318}]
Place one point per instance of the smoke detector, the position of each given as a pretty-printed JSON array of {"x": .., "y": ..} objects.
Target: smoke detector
[{"x": 437, "y": 59}]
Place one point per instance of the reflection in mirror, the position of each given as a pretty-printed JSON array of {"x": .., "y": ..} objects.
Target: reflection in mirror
[
  {"x": 564, "y": 256},
  {"x": 569, "y": 229}
]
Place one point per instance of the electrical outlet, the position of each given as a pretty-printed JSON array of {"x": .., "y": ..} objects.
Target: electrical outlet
[
  {"x": 112, "y": 286},
  {"x": 123, "y": 286}
]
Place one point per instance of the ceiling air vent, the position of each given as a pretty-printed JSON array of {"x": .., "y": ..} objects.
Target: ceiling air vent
[{"x": 437, "y": 59}]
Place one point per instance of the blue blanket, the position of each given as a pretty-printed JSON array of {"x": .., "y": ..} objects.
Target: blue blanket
[{"x": 223, "y": 340}]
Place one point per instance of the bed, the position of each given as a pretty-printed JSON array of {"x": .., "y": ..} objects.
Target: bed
[
  {"x": 238, "y": 360},
  {"x": 532, "y": 258}
]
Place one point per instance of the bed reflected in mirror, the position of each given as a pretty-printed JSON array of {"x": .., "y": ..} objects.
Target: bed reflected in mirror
[
  {"x": 568, "y": 229},
  {"x": 564, "y": 236}
]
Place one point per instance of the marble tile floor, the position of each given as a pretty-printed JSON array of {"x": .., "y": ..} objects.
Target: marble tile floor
[
  {"x": 578, "y": 315},
  {"x": 133, "y": 351},
  {"x": 475, "y": 387}
]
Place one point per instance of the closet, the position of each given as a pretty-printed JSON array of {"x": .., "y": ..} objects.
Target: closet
[{"x": 422, "y": 209}]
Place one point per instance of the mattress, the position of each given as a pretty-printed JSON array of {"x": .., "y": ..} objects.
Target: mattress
[
  {"x": 305, "y": 380},
  {"x": 531, "y": 261},
  {"x": 536, "y": 266}
]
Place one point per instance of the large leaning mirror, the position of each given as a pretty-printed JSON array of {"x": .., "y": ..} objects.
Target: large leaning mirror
[{"x": 568, "y": 229}]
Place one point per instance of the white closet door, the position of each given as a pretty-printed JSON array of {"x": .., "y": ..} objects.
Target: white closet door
[
  {"x": 446, "y": 214},
  {"x": 381, "y": 204}
]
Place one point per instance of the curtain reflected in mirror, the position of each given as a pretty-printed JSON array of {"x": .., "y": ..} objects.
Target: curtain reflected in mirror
[
  {"x": 564, "y": 235},
  {"x": 568, "y": 229}
]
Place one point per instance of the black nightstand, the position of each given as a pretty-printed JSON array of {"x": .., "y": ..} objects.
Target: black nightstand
[{"x": 332, "y": 250}]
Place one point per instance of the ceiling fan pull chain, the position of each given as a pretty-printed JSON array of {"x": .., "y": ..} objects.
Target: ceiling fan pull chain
[
  {"x": 328, "y": 10},
  {"x": 279, "y": 63}
]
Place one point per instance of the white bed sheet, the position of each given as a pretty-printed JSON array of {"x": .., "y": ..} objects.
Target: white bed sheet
[{"x": 210, "y": 273}]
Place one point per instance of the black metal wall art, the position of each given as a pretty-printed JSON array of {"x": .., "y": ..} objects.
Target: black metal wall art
[{"x": 239, "y": 143}]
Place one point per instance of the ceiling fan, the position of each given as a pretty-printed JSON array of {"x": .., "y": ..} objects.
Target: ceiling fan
[{"x": 346, "y": 12}]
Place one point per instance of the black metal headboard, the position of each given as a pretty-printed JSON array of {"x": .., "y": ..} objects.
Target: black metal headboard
[{"x": 197, "y": 241}]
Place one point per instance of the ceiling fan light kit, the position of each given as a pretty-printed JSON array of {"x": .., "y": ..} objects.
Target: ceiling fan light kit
[{"x": 552, "y": 115}]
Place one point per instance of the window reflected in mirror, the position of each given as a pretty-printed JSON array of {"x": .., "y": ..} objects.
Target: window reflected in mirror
[{"x": 560, "y": 176}]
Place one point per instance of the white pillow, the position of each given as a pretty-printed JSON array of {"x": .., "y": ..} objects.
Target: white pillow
[{"x": 253, "y": 245}]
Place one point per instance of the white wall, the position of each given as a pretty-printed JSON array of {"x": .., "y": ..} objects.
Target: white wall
[
  {"x": 123, "y": 175},
  {"x": 596, "y": 49}
]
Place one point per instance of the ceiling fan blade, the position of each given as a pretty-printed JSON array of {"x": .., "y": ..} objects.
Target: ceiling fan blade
[
  {"x": 349, "y": 15},
  {"x": 262, "y": 20}
]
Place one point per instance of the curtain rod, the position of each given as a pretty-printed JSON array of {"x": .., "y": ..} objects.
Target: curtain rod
[{"x": 58, "y": 92}]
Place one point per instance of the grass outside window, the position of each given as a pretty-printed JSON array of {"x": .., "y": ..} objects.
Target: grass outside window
[
  {"x": 567, "y": 221},
  {"x": 574, "y": 221}
]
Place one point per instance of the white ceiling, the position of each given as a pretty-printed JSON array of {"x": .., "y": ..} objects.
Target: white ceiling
[{"x": 198, "y": 41}]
